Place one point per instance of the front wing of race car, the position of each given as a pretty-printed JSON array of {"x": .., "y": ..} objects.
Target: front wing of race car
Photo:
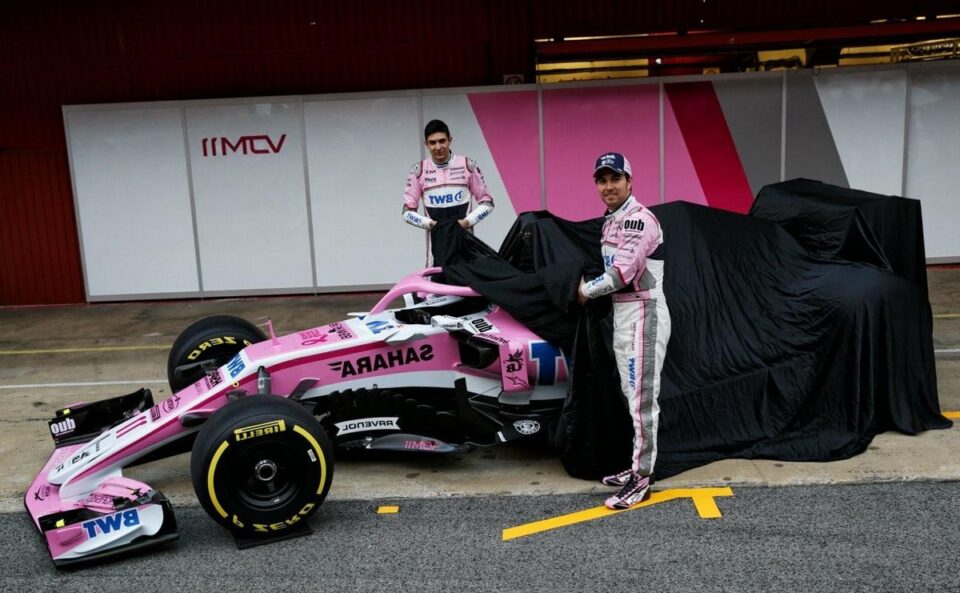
[{"x": 119, "y": 515}]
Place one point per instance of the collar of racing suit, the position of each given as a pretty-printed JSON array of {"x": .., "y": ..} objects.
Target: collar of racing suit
[
  {"x": 444, "y": 164},
  {"x": 619, "y": 212}
]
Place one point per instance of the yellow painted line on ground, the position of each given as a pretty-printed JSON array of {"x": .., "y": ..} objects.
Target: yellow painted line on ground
[
  {"x": 955, "y": 415},
  {"x": 707, "y": 507},
  {"x": 703, "y": 500},
  {"x": 90, "y": 349},
  {"x": 947, "y": 316},
  {"x": 388, "y": 510}
]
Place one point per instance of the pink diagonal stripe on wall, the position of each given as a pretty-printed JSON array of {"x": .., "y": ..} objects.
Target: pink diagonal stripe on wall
[
  {"x": 710, "y": 144},
  {"x": 509, "y": 123},
  {"x": 680, "y": 176}
]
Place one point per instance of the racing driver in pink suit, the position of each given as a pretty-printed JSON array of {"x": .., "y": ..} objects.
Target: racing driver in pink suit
[
  {"x": 632, "y": 246},
  {"x": 445, "y": 184}
]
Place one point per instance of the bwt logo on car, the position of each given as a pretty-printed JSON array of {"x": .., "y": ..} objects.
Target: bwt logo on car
[
  {"x": 256, "y": 144},
  {"x": 235, "y": 366},
  {"x": 446, "y": 198},
  {"x": 114, "y": 522},
  {"x": 548, "y": 359},
  {"x": 378, "y": 326}
]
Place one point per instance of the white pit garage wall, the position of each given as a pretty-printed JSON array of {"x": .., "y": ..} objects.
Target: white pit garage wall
[{"x": 286, "y": 195}]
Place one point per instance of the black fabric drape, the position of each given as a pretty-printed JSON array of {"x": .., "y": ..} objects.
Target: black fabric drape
[
  {"x": 535, "y": 278},
  {"x": 594, "y": 431},
  {"x": 849, "y": 224},
  {"x": 543, "y": 297},
  {"x": 781, "y": 353},
  {"x": 798, "y": 333}
]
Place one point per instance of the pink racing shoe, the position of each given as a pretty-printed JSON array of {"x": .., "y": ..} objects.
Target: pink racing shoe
[
  {"x": 618, "y": 479},
  {"x": 635, "y": 490}
]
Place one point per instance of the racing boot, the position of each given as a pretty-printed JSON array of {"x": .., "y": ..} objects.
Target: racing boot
[
  {"x": 634, "y": 491},
  {"x": 617, "y": 479}
]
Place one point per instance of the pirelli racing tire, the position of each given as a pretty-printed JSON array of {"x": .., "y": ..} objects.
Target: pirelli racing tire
[
  {"x": 261, "y": 465},
  {"x": 215, "y": 339}
]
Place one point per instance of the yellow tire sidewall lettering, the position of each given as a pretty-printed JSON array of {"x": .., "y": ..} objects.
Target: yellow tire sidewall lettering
[
  {"x": 281, "y": 525},
  {"x": 259, "y": 430},
  {"x": 211, "y": 474},
  {"x": 217, "y": 341}
]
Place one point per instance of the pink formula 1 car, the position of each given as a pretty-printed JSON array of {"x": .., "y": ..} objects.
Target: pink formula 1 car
[{"x": 262, "y": 414}]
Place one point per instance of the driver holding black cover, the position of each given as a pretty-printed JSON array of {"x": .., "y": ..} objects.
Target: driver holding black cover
[
  {"x": 632, "y": 247},
  {"x": 445, "y": 184}
]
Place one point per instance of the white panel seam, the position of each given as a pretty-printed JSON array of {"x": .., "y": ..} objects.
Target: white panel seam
[
  {"x": 306, "y": 191},
  {"x": 193, "y": 206}
]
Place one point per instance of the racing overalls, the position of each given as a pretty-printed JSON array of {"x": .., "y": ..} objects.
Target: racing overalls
[
  {"x": 445, "y": 190},
  {"x": 632, "y": 246}
]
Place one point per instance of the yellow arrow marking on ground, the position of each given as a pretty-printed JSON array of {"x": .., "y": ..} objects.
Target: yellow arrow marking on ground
[
  {"x": 703, "y": 500},
  {"x": 951, "y": 415}
]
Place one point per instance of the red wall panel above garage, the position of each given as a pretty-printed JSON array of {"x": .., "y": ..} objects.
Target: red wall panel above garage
[
  {"x": 60, "y": 52},
  {"x": 39, "y": 259}
]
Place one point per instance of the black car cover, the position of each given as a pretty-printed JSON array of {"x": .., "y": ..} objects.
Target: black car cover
[
  {"x": 798, "y": 333},
  {"x": 536, "y": 274},
  {"x": 837, "y": 222}
]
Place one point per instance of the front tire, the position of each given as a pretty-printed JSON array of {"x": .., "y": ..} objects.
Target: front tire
[
  {"x": 262, "y": 464},
  {"x": 215, "y": 340}
]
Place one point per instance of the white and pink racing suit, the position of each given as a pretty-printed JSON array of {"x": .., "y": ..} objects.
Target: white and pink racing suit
[
  {"x": 445, "y": 190},
  {"x": 633, "y": 257}
]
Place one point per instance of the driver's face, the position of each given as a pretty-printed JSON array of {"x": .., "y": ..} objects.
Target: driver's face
[
  {"x": 438, "y": 144},
  {"x": 614, "y": 188}
]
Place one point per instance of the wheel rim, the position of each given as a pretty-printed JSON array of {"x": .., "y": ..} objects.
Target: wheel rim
[{"x": 267, "y": 475}]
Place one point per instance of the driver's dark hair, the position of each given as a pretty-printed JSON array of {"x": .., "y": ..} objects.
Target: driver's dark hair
[{"x": 434, "y": 126}]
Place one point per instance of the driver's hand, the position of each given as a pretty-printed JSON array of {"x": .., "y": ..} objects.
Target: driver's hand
[
  {"x": 580, "y": 298},
  {"x": 464, "y": 223},
  {"x": 433, "y": 225}
]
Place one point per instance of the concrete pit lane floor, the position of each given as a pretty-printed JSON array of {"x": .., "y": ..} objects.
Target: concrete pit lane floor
[{"x": 54, "y": 356}]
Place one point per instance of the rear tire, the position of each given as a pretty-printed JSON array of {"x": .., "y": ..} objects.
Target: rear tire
[
  {"x": 260, "y": 465},
  {"x": 216, "y": 339}
]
